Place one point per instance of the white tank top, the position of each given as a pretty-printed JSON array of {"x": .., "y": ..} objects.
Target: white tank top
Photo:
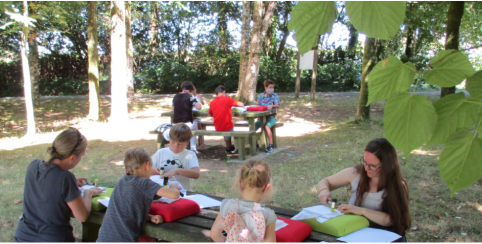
[{"x": 371, "y": 200}]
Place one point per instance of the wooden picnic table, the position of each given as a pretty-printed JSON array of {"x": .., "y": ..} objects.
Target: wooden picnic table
[
  {"x": 188, "y": 229},
  {"x": 248, "y": 115}
]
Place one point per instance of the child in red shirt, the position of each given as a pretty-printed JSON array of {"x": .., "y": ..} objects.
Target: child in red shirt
[{"x": 220, "y": 109}]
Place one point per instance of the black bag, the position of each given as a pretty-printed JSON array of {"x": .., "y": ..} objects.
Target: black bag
[{"x": 163, "y": 127}]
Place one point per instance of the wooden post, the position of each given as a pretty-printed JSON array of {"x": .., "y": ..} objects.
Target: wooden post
[{"x": 297, "y": 84}]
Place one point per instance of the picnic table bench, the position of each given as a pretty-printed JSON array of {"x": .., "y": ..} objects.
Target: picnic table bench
[
  {"x": 188, "y": 229},
  {"x": 241, "y": 138}
]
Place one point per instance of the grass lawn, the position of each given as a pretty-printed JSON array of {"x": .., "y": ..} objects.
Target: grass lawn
[{"x": 321, "y": 136}]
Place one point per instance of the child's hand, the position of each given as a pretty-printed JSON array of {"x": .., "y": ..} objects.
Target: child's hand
[
  {"x": 94, "y": 191},
  {"x": 174, "y": 185},
  {"x": 171, "y": 173},
  {"x": 156, "y": 219},
  {"x": 154, "y": 171},
  {"x": 81, "y": 181}
]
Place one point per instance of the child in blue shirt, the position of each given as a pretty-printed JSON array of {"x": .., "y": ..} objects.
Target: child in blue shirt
[{"x": 270, "y": 100}]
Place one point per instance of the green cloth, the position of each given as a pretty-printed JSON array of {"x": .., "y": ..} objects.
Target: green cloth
[
  {"x": 338, "y": 226},
  {"x": 96, "y": 205}
]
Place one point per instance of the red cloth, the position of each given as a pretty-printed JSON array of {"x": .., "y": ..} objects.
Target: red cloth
[
  {"x": 296, "y": 231},
  {"x": 220, "y": 108},
  {"x": 144, "y": 238},
  {"x": 176, "y": 210},
  {"x": 258, "y": 108}
]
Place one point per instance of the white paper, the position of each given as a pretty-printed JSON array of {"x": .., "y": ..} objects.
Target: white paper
[
  {"x": 241, "y": 109},
  {"x": 104, "y": 201},
  {"x": 280, "y": 224},
  {"x": 158, "y": 180},
  {"x": 86, "y": 187},
  {"x": 323, "y": 211},
  {"x": 306, "y": 60},
  {"x": 308, "y": 215},
  {"x": 204, "y": 201},
  {"x": 370, "y": 235},
  {"x": 242, "y": 122}
]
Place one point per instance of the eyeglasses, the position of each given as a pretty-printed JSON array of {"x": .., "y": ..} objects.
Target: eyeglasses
[
  {"x": 79, "y": 140},
  {"x": 370, "y": 166}
]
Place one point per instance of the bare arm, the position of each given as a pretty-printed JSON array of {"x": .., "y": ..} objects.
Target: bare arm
[
  {"x": 333, "y": 182},
  {"x": 216, "y": 232},
  {"x": 192, "y": 173},
  {"x": 270, "y": 233},
  {"x": 378, "y": 217},
  {"x": 81, "y": 205},
  {"x": 198, "y": 106},
  {"x": 240, "y": 104},
  {"x": 172, "y": 193}
]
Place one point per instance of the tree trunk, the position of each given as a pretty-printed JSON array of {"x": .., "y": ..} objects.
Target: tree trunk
[
  {"x": 129, "y": 54},
  {"x": 314, "y": 71},
  {"x": 369, "y": 61},
  {"x": 260, "y": 26},
  {"x": 454, "y": 17},
  {"x": 409, "y": 42},
  {"x": 298, "y": 74},
  {"x": 154, "y": 18},
  {"x": 222, "y": 28},
  {"x": 27, "y": 85},
  {"x": 34, "y": 66},
  {"x": 93, "y": 77},
  {"x": 118, "y": 63},
  {"x": 285, "y": 30},
  {"x": 352, "y": 42},
  {"x": 244, "y": 50}
]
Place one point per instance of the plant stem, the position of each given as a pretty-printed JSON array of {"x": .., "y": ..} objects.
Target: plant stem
[
  {"x": 416, "y": 85},
  {"x": 474, "y": 102}
]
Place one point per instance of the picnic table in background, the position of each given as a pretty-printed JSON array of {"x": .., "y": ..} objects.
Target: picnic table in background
[
  {"x": 188, "y": 229},
  {"x": 252, "y": 136}
]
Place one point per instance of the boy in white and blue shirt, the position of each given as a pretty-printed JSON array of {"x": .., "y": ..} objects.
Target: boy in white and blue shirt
[{"x": 270, "y": 100}]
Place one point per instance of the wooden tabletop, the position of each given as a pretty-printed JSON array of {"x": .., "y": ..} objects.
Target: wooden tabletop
[
  {"x": 247, "y": 114},
  {"x": 191, "y": 228}
]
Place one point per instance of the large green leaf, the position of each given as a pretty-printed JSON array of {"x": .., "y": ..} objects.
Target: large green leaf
[
  {"x": 309, "y": 20},
  {"x": 409, "y": 121},
  {"x": 474, "y": 85},
  {"x": 389, "y": 77},
  {"x": 379, "y": 20},
  {"x": 459, "y": 163},
  {"x": 449, "y": 68},
  {"x": 479, "y": 125},
  {"x": 453, "y": 113}
]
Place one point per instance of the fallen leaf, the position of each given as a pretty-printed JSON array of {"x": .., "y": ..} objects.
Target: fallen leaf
[
  {"x": 414, "y": 228},
  {"x": 437, "y": 215},
  {"x": 16, "y": 201}
]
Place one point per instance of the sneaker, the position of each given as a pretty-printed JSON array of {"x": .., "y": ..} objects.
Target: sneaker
[
  {"x": 233, "y": 150},
  {"x": 270, "y": 148}
]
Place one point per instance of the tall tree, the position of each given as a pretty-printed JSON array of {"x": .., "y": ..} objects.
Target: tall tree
[
  {"x": 352, "y": 42},
  {"x": 314, "y": 72},
  {"x": 93, "y": 56},
  {"x": 454, "y": 17},
  {"x": 261, "y": 21},
  {"x": 298, "y": 78},
  {"x": 369, "y": 61},
  {"x": 284, "y": 28},
  {"x": 27, "y": 85},
  {"x": 118, "y": 62},
  {"x": 154, "y": 18},
  {"x": 33, "y": 58},
  {"x": 130, "y": 53},
  {"x": 244, "y": 50}
]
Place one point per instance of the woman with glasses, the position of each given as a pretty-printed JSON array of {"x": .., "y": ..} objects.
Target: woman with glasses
[
  {"x": 378, "y": 189},
  {"x": 52, "y": 194}
]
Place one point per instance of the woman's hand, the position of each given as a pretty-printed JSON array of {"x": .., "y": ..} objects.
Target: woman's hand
[
  {"x": 156, "y": 219},
  {"x": 94, "y": 191},
  {"x": 324, "y": 196},
  {"x": 81, "y": 181},
  {"x": 347, "y": 208},
  {"x": 171, "y": 173}
]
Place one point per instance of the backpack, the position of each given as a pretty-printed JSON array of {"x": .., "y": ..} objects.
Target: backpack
[
  {"x": 236, "y": 227},
  {"x": 165, "y": 129}
]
